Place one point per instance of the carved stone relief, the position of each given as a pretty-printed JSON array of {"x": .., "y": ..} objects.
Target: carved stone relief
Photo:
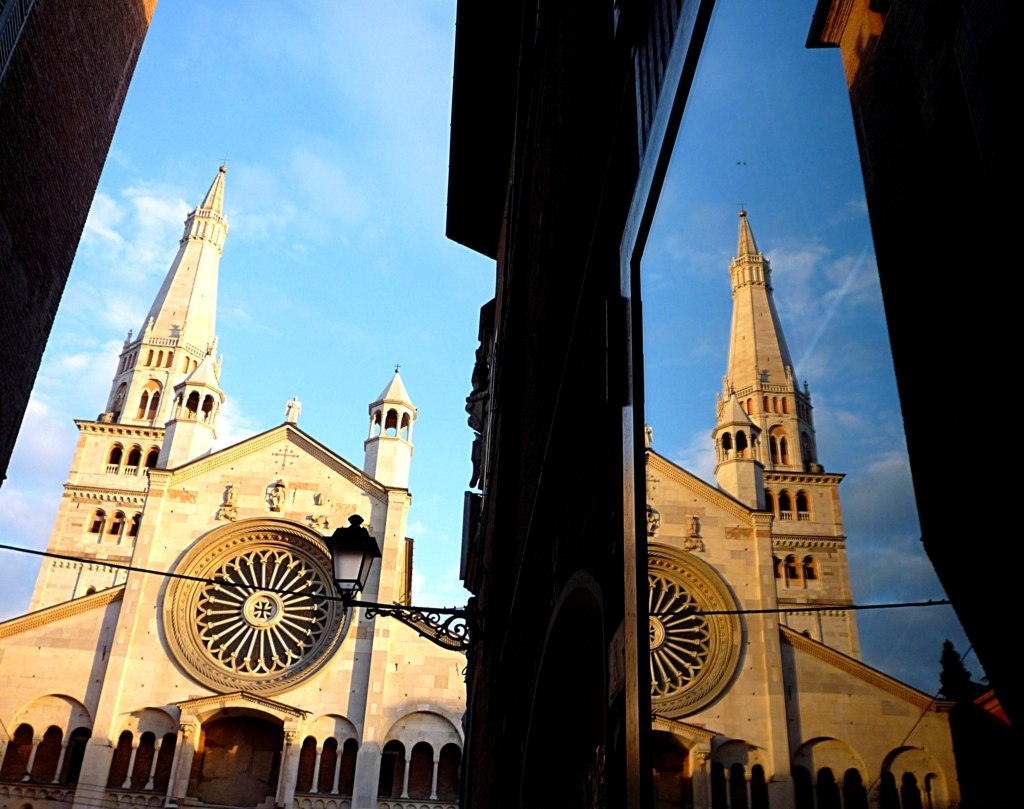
[
  {"x": 275, "y": 495},
  {"x": 229, "y": 510}
]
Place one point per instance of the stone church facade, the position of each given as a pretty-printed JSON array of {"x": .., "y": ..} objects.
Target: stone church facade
[
  {"x": 133, "y": 688},
  {"x": 771, "y": 707}
]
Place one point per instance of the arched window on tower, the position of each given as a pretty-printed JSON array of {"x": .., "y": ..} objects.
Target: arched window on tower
[
  {"x": 810, "y": 568},
  {"x": 769, "y": 500},
  {"x": 114, "y": 458},
  {"x": 122, "y": 391},
  {"x": 785, "y": 506},
  {"x": 184, "y": 365},
  {"x": 777, "y": 565},
  {"x": 194, "y": 365},
  {"x": 773, "y": 449},
  {"x": 391, "y": 423},
  {"x": 375, "y": 424},
  {"x": 134, "y": 461},
  {"x": 741, "y": 444},
  {"x": 785, "y": 405},
  {"x": 160, "y": 359},
  {"x": 803, "y": 511},
  {"x": 116, "y": 524},
  {"x": 98, "y": 521},
  {"x": 149, "y": 358},
  {"x": 405, "y": 426},
  {"x": 805, "y": 451},
  {"x": 170, "y": 358},
  {"x": 133, "y": 526},
  {"x": 208, "y": 408},
  {"x": 726, "y": 445},
  {"x": 154, "y": 405},
  {"x": 750, "y": 406},
  {"x": 192, "y": 405},
  {"x": 775, "y": 404},
  {"x": 784, "y": 450},
  {"x": 791, "y": 569},
  {"x": 152, "y": 457},
  {"x": 765, "y": 404},
  {"x": 143, "y": 404}
]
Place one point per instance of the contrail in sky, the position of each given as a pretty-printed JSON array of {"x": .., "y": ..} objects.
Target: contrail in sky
[{"x": 832, "y": 309}]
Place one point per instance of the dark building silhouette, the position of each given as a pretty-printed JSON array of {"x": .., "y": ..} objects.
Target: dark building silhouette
[
  {"x": 65, "y": 66},
  {"x": 563, "y": 119},
  {"x": 933, "y": 85}
]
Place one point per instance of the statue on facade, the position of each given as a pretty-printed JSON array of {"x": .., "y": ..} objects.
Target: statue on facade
[
  {"x": 228, "y": 510},
  {"x": 275, "y": 495},
  {"x": 653, "y": 520},
  {"x": 292, "y": 410}
]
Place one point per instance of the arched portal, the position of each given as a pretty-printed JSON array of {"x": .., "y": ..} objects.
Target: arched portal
[{"x": 238, "y": 760}]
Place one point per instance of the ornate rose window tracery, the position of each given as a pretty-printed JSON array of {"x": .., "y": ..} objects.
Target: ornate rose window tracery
[
  {"x": 693, "y": 656},
  {"x": 258, "y": 613}
]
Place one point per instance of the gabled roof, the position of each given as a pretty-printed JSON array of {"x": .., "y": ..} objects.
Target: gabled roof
[
  {"x": 198, "y": 703},
  {"x": 205, "y": 374},
  {"x": 690, "y": 481},
  {"x": 284, "y": 432},
  {"x": 58, "y": 612},
  {"x": 733, "y": 413},
  {"x": 862, "y": 671}
]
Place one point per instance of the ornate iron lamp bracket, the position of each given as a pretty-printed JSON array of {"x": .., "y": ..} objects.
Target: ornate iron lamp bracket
[{"x": 456, "y": 631}]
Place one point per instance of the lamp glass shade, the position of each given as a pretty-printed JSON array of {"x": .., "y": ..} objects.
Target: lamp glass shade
[{"x": 353, "y": 551}]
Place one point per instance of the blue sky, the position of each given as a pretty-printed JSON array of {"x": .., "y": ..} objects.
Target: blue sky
[{"x": 334, "y": 117}]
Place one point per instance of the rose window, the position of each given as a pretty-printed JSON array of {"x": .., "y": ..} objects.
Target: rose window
[
  {"x": 257, "y": 611},
  {"x": 680, "y": 637},
  {"x": 252, "y": 630},
  {"x": 693, "y": 654}
]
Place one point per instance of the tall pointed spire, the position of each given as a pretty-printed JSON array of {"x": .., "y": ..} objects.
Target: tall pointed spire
[
  {"x": 214, "y": 199},
  {"x": 180, "y": 328},
  {"x": 760, "y": 372},
  {"x": 747, "y": 246}
]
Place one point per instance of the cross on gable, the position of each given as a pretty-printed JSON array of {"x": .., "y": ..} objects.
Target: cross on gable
[{"x": 285, "y": 454}]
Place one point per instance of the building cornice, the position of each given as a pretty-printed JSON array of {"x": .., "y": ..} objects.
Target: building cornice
[
  {"x": 860, "y": 670},
  {"x": 775, "y": 476},
  {"x": 113, "y": 428},
  {"x": 698, "y": 486},
  {"x": 137, "y": 498},
  {"x": 684, "y": 729},
  {"x": 59, "y": 612},
  {"x": 797, "y": 541}
]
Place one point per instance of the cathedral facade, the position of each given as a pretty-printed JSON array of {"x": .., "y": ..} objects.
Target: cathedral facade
[
  {"x": 757, "y": 703},
  {"x": 153, "y": 669}
]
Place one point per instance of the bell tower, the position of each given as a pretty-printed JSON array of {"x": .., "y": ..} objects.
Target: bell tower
[
  {"x": 739, "y": 470},
  {"x": 191, "y": 429},
  {"x": 760, "y": 370},
  {"x": 180, "y": 329},
  {"x": 389, "y": 446}
]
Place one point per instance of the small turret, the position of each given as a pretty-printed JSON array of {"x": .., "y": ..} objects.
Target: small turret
[
  {"x": 389, "y": 446},
  {"x": 191, "y": 429},
  {"x": 739, "y": 471}
]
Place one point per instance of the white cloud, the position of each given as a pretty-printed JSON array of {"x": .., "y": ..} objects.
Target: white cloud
[
  {"x": 697, "y": 457},
  {"x": 233, "y": 425}
]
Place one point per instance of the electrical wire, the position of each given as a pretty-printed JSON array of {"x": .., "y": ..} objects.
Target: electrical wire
[{"x": 787, "y": 608}]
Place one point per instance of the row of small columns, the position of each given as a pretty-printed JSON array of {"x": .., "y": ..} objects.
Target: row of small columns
[
  {"x": 316, "y": 770},
  {"x": 131, "y": 763},
  {"x": 36, "y": 741},
  {"x": 405, "y": 776}
]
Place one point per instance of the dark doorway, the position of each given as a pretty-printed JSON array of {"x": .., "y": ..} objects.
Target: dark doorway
[
  {"x": 673, "y": 788},
  {"x": 238, "y": 761}
]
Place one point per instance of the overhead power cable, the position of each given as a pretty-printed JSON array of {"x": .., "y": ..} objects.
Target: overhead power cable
[{"x": 782, "y": 608}]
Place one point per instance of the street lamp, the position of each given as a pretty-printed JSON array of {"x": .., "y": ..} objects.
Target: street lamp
[{"x": 353, "y": 551}]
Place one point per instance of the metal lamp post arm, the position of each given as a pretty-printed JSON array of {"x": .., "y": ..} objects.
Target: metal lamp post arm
[{"x": 456, "y": 631}]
